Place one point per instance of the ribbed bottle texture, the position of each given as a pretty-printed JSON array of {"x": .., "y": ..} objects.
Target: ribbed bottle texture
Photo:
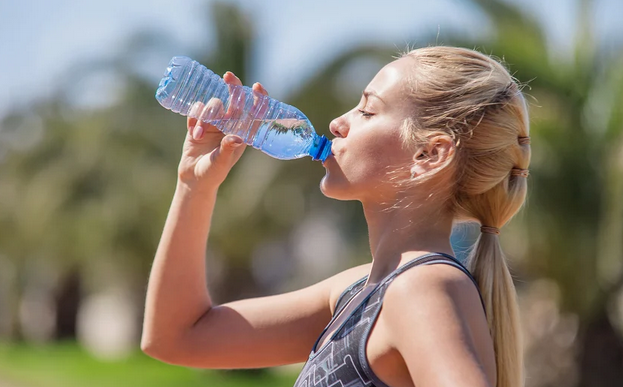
[{"x": 282, "y": 131}]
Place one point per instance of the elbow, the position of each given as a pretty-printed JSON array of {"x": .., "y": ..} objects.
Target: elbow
[
  {"x": 147, "y": 346},
  {"x": 170, "y": 343},
  {"x": 151, "y": 347},
  {"x": 170, "y": 354},
  {"x": 160, "y": 349}
]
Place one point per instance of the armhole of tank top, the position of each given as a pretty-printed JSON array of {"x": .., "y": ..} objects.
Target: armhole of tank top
[
  {"x": 344, "y": 293},
  {"x": 363, "y": 342},
  {"x": 315, "y": 350}
]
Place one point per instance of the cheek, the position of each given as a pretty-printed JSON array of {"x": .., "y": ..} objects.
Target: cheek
[
  {"x": 357, "y": 175},
  {"x": 367, "y": 159},
  {"x": 375, "y": 157}
]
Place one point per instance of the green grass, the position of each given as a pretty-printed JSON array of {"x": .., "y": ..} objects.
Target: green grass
[{"x": 68, "y": 365}]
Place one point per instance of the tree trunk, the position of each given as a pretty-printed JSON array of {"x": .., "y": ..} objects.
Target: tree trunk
[
  {"x": 67, "y": 302},
  {"x": 15, "y": 293},
  {"x": 15, "y": 327}
]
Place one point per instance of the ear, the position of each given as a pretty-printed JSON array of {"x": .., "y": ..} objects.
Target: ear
[{"x": 435, "y": 154}]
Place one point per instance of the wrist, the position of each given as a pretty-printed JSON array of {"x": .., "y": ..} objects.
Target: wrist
[{"x": 206, "y": 191}]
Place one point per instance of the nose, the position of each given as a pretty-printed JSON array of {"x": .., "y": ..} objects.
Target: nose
[{"x": 338, "y": 127}]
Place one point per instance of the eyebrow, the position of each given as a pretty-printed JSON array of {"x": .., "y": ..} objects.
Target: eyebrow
[{"x": 370, "y": 93}]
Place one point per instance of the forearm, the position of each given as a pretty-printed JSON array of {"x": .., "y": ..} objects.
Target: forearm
[{"x": 177, "y": 294}]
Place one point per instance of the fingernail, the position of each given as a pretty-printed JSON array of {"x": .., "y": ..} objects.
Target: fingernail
[
  {"x": 198, "y": 132},
  {"x": 235, "y": 141}
]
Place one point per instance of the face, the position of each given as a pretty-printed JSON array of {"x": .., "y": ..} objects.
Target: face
[{"x": 367, "y": 142}]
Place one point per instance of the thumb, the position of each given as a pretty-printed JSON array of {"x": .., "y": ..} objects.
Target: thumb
[{"x": 228, "y": 145}]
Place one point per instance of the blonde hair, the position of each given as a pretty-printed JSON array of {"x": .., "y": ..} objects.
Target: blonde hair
[{"x": 473, "y": 99}]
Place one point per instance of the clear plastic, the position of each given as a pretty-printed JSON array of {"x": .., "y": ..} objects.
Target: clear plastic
[{"x": 277, "y": 129}]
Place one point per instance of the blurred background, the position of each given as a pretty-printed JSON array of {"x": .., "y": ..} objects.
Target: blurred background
[{"x": 88, "y": 166}]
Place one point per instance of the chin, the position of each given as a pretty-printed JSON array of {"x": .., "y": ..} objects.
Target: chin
[{"x": 336, "y": 189}]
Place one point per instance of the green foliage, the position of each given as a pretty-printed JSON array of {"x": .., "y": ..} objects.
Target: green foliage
[{"x": 67, "y": 365}]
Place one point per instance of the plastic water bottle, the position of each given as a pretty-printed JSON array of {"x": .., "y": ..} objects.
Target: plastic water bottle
[{"x": 273, "y": 127}]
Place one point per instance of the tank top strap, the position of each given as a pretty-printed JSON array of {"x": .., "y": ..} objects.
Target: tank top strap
[
  {"x": 348, "y": 294},
  {"x": 432, "y": 258},
  {"x": 422, "y": 259},
  {"x": 429, "y": 258}
]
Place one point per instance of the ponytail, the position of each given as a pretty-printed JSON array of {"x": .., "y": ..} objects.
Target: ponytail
[
  {"x": 487, "y": 264},
  {"x": 473, "y": 98}
]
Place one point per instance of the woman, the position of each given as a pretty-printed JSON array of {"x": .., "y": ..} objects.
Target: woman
[{"x": 439, "y": 136}]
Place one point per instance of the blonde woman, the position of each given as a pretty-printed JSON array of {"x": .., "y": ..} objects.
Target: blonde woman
[{"x": 440, "y": 136}]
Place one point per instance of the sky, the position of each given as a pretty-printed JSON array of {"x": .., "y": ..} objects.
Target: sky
[{"x": 42, "y": 39}]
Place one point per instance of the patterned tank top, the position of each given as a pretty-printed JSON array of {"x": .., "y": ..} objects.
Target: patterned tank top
[{"x": 342, "y": 361}]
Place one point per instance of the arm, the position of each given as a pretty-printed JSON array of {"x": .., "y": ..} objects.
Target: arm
[
  {"x": 438, "y": 326},
  {"x": 181, "y": 323},
  {"x": 183, "y": 326}
]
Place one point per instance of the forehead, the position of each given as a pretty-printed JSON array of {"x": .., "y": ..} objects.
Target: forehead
[{"x": 389, "y": 82}]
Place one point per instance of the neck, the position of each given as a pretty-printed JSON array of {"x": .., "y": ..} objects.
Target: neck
[{"x": 399, "y": 235}]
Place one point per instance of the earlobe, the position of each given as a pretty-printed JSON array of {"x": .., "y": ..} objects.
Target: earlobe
[{"x": 417, "y": 170}]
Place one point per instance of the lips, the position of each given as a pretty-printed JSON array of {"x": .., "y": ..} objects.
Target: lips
[{"x": 335, "y": 148}]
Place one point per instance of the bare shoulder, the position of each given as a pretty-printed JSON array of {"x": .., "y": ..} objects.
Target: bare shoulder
[
  {"x": 434, "y": 297},
  {"x": 427, "y": 284},
  {"x": 434, "y": 317}
]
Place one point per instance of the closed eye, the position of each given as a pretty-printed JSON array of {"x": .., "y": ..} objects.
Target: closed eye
[{"x": 365, "y": 113}]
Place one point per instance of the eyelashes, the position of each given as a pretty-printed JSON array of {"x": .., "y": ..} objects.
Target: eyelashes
[{"x": 365, "y": 113}]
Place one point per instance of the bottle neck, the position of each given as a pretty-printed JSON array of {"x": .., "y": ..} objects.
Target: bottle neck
[{"x": 320, "y": 149}]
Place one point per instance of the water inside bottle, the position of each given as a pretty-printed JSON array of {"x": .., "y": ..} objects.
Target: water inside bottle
[{"x": 280, "y": 138}]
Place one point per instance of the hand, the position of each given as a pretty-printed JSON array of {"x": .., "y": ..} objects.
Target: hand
[{"x": 208, "y": 155}]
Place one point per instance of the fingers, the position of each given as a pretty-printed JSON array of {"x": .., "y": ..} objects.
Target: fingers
[
  {"x": 232, "y": 79},
  {"x": 258, "y": 88},
  {"x": 260, "y": 102},
  {"x": 201, "y": 118},
  {"x": 231, "y": 142},
  {"x": 194, "y": 112},
  {"x": 213, "y": 112},
  {"x": 227, "y": 150},
  {"x": 236, "y": 95}
]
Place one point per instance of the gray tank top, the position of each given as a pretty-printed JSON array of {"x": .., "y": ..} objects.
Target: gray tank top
[{"x": 342, "y": 361}]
